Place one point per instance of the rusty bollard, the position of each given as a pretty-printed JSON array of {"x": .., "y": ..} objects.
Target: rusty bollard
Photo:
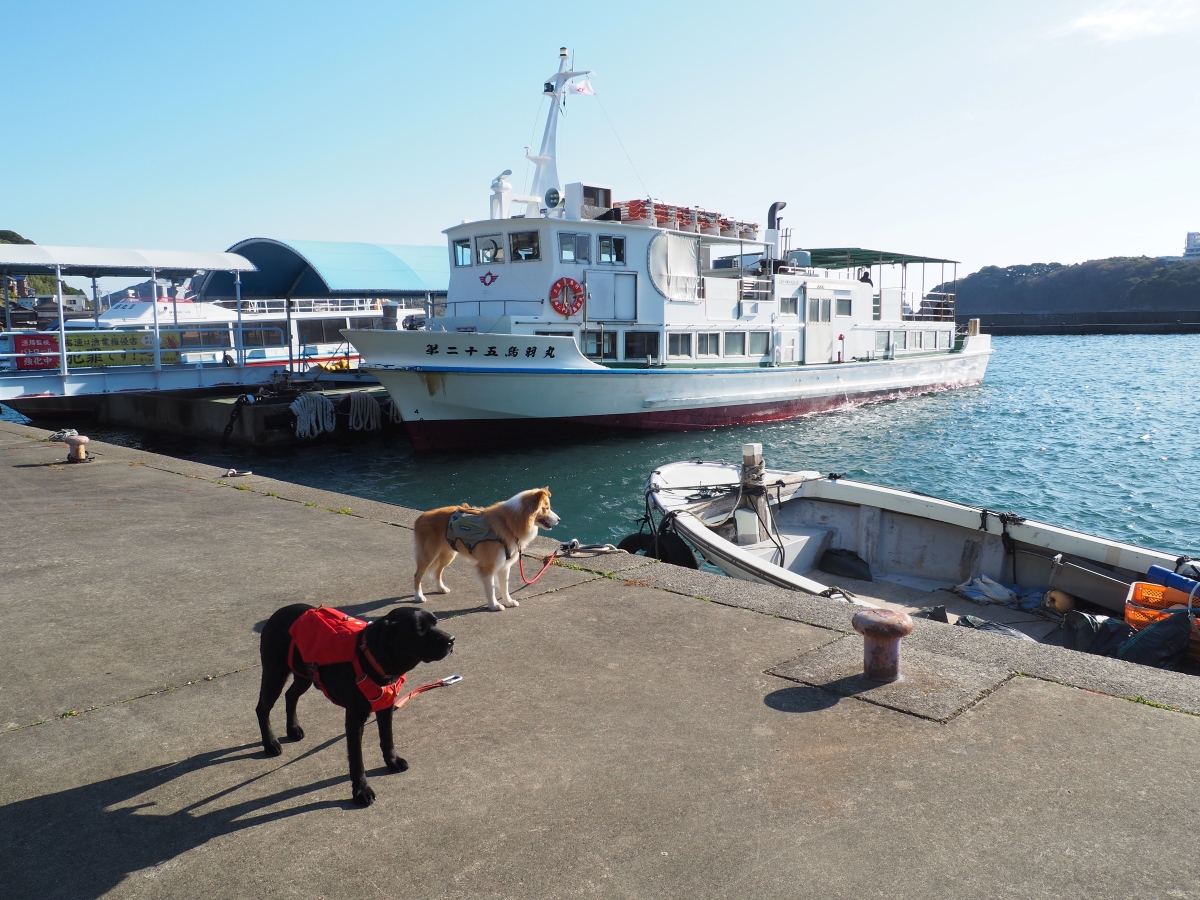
[
  {"x": 881, "y": 630},
  {"x": 78, "y": 444}
]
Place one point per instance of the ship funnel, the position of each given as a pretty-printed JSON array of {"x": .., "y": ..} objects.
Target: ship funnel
[{"x": 772, "y": 235}]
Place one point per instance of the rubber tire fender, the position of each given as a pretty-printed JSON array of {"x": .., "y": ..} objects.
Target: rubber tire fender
[
  {"x": 637, "y": 543},
  {"x": 673, "y": 550}
]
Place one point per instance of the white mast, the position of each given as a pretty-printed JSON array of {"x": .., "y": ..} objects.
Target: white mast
[{"x": 545, "y": 175}]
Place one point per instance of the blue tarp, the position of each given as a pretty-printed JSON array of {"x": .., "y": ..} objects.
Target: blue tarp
[{"x": 314, "y": 269}]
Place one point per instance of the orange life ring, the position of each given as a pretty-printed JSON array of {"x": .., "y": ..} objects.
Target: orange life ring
[{"x": 566, "y": 304}]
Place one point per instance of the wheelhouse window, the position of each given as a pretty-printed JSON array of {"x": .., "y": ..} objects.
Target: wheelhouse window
[
  {"x": 760, "y": 343},
  {"x": 789, "y": 306},
  {"x": 611, "y": 250},
  {"x": 462, "y": 252},
  {"x": 843, "y": 306},
  {"x": 641, "y": 344},
  {"x": 525, "y": 246},
  {"x": 600, "y": 344},
  {"x": 708, "y": 344},
  {"x": 735, "y": 343},
  {"x": 576, "y": 248},
  {"x": 489, "y": 250},
  {"x": 679, "y": 344}
]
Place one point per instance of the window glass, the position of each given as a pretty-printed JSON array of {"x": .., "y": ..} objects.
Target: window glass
[
  {"x": 902, "y": 342},
  {"x": 269, "y": 335},
  {"x": 566, "y": 247},
  {"x": 583, "y": 248},
  {"x": 525, "y": 246},
  {"x": 814, "y": 309},
  {"x": 760, "y": 343},
  {"x": 876, "y": 308},
  {"x": 826, "y": 304},
  {"x": 708, "y": 345},
  {"x": 944, "y": 340},
  {"x": 735, "y": 343},
  {"x": 881, "y": 341},
  {"x": 611, "y": 250},
  {"x": 205, "y": 338},
  {"x": 843, "y": 306},
  {"x": 787, "y": 306},
  {"x": 640, "y": 344},
  {"x": 462, "y": 252},
  {"x": 679, "y": 344},
  {"x": 930, "y": 340},
  {"x": 592, "y": 341},
  {"x": 914, "y": 340},
  {"x": 489, "y": 250}
]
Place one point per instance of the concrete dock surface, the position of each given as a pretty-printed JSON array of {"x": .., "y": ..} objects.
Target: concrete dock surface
[{"x": 631, "y": 730}]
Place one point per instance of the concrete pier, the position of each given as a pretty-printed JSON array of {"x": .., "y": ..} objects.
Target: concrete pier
[{"x": 631, "y": 730}]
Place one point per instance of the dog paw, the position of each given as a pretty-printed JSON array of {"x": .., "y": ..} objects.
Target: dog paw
[
  {"x": 395, "y": 762},
  {"x": 272, "y": 747},
  {"x": 512, "y": 602},
  {"x": 363, "y": 795},
  {"x": 420, "y": 598},
  {"x": 295, "y": 732},
  {"x": 443, "y": 589},
  {"x": 496, "y": 607}
]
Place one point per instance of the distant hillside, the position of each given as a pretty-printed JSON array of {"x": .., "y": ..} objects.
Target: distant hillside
[
  {"x": 42, "y": 284},
  {"x": 1122, "y": 283}
]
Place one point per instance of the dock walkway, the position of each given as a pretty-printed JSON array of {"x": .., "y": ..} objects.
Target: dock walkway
[{"x": 632, "y": 730}]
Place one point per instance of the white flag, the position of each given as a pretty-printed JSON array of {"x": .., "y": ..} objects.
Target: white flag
[{"x": 581, "y": 87}]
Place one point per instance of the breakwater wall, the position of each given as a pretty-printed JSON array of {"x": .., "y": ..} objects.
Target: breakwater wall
[{"x": 1089, "y": 322}]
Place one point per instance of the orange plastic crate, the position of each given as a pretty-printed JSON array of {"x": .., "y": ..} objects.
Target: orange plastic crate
[{"x": 1146, "y": 603}]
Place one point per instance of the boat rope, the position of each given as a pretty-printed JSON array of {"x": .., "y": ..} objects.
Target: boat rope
[
  {"x": 564, "y": 551},
  {"x": 365, "y": 414},
  {"x": 315, "y": 413}
]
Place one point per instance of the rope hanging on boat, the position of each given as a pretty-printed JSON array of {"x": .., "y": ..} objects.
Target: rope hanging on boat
[
  {"x": 315, "y": 413},
  {"x": 365, "y": 414}
]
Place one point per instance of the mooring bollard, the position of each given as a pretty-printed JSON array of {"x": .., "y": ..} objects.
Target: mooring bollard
[
  {"x": 78, "y": 444},
  {"x": 881, "y": 630}
]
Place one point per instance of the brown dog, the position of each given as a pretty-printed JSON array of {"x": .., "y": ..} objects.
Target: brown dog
[{"x": 492, "y": 538}]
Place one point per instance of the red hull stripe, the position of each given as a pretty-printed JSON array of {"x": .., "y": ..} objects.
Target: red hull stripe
[{"x": 456, "y": 434}]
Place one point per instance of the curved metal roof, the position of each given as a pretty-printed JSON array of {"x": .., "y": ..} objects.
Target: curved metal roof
[
  {"x": 315, "y": 269},
  {"x": 97, "y": 262},
  {"x": 850, "y": 257}
]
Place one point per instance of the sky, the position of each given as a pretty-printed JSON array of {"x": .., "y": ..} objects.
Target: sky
[{"x": 994, "y": 134}]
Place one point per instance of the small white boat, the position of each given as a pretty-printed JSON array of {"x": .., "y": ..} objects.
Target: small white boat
[{"x": 908, "y": 550}]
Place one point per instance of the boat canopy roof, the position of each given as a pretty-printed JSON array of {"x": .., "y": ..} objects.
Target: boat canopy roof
[
  {"x": 320, "y": 269},
  {"x": 852, "y": 257}
]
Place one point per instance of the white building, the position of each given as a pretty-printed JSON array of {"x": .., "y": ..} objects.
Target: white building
[{"x": 1191, "y": 250}]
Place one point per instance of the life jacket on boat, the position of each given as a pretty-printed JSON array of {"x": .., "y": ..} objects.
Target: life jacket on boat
[
  {"x": 472, "y": 528},
  {"x": 325, "y": 636}
]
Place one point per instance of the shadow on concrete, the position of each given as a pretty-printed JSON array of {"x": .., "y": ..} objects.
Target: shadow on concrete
[
  {"x": 800, "y": 699},
  {"x": 84, "y": 841}
]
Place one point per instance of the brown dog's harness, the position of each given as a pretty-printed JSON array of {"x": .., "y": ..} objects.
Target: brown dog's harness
[
  {"x": 325, "y": 637},
  {"x": 472, "y": 528}
]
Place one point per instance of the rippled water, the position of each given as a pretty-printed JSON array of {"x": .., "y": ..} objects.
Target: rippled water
[{"x": 1098, "y": 433}]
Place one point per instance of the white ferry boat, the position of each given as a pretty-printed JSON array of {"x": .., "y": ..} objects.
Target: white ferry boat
[{"x": 567, "y": 310}]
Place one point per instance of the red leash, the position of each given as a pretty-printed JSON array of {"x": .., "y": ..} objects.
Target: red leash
[
  {"x": 521, "y": 567},
  {"x": 441, "y": 682}
]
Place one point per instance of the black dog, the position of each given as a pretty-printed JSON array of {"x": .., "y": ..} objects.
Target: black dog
[{"x": 394, "y": 645}]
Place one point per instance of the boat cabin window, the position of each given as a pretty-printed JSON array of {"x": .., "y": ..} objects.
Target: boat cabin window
[
  {"x": 902, "y": 341},
  {"x": 597, "y": 196},
  {"x": 574, "y": 247},
  {"x": 679, "y": 345},
  {"x": 708, "y": 345},
  {"x": 525, "y": 246},
  {"x": 320, "y": 331},
  {"x": 600, "y": 344},
  {"x": 881, "y": 341},
  {"x": 843, "y": 306},
  {"x": 640, "y": 344},
  {"x": 789, "y": 306},
  {"x": 944, "y": 340},
  {"x": 269, "y": 334},
  {"x": 612, "y": 250},
  {"x": 931, "y": 340},
  {"x": 760, "y": 343},
  {"x": 462, "y": 252},
  {"x": 205, "y": 338},
  {"x": 735, "y": 343},
  {"x": 489, "y": 250},
  {"x": 818, "y": 309}
]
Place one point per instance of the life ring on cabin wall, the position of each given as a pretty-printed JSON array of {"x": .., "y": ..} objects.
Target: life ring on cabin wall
[{"x": 566, "y": 296}]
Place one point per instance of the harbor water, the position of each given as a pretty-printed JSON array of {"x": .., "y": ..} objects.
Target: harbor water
[{"x": 1100, "y": 433}]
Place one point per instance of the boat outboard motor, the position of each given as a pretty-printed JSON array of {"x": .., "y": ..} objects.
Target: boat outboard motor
[{"x": 773, "y": 228}]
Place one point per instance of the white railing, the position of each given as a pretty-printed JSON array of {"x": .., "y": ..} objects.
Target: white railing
[{"x": 326, "y": 305}]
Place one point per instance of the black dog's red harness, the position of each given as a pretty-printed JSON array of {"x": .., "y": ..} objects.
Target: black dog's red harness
[{"x": 326, "y": 636}]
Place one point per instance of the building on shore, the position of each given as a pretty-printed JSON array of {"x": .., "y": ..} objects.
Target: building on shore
[{"x": 1191, "y": 248}]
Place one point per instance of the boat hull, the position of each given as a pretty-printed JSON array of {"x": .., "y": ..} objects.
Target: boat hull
[{"x": 480, "y": 405}]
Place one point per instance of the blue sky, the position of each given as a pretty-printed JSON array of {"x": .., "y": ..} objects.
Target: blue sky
[{"x": 991, "y": 133}]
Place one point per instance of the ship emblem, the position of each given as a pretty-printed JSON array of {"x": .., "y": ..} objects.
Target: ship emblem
[{"x": 488, "y": 278}]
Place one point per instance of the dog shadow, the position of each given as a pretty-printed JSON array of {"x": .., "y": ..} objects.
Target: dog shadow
[{"x": 106, "y": 836}]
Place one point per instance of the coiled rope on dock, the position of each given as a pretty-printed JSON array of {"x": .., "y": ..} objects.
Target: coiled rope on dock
[
  {"x": 315, "y": 413},
  {"x": 365, "y": 414}
]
